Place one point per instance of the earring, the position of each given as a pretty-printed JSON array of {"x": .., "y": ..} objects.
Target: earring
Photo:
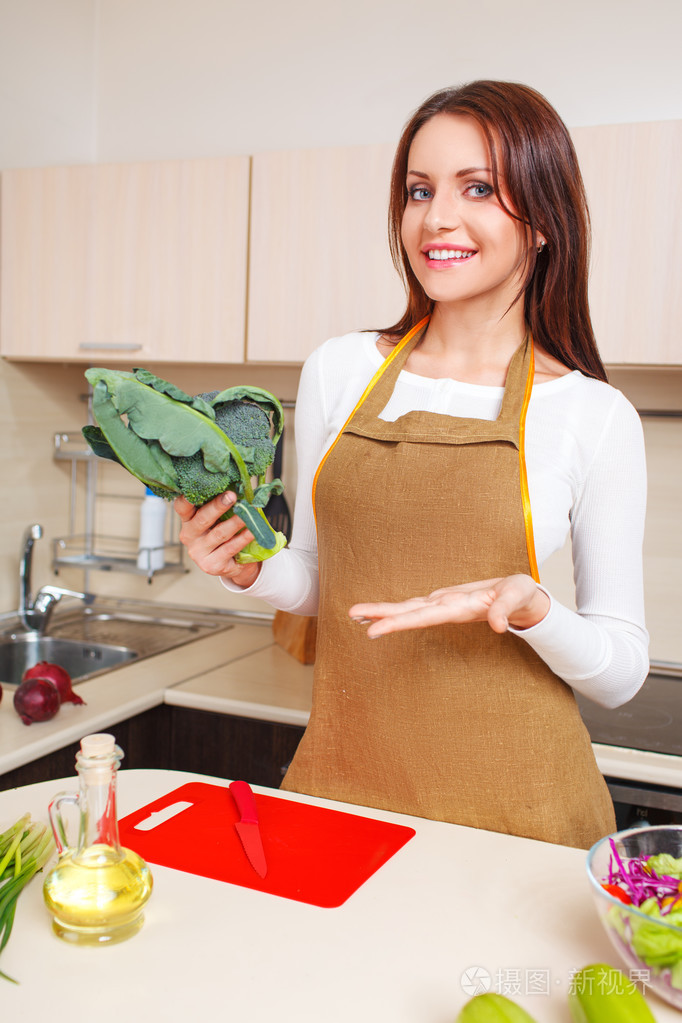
[{"x": 541, "y": 246}]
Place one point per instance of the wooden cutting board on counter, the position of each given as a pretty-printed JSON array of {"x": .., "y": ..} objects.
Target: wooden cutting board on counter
[
  {"x": 314, "y": 854},
  {"x": 297, "y": 634}
]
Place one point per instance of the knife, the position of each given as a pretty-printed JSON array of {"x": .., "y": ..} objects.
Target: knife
[{"x": 247, "y": 828}]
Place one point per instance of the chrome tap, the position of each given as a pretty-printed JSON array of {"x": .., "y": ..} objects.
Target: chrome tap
[
  {"x": 32, "y": 534},
  {"x": 35, "y": 614}
]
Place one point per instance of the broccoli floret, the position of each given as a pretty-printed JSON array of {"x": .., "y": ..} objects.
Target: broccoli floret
[
  {"x": 249, "y": 427},
  {"x": 160, "y": 491},
  {"x": 199, "y": 485}
]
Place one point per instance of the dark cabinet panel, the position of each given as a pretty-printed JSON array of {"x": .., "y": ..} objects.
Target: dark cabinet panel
[
  {"x": 59, "y": 764},
  {"x": 183, "y": 739},
  {"x": 232, "y": 747},
  {"x": 144, "y": 739}
]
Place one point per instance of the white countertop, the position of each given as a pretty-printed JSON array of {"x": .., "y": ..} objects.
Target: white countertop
[
  {"x": 120, "y": 694},
  {"x": 242, "y": 672},
  {"x": 452, "y": 899}
]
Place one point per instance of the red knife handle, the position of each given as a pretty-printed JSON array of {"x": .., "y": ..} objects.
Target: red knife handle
[{"x": 245, "y": 800}]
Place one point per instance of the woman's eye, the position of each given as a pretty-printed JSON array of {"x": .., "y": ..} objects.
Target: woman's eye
[
  {"x": 479, "y": 190},
  {"x": 419, "y": 193}
]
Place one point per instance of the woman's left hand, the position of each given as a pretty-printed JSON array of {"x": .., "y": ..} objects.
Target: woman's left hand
[{"x": 514, "y": 600}]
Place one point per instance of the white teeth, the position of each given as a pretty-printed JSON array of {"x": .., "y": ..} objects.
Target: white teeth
[{"x": 449, "y": 254}]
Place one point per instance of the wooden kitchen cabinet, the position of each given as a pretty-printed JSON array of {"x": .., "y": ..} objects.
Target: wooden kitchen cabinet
[
  {"x": 632, "y": 178},
  {"x": 147, "y": 262},
  {"x": 319, "y": 262},
  {"x": 132, "y": 263}
]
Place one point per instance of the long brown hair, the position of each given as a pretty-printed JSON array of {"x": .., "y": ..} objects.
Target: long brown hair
[{"x": 530, "y": 148}]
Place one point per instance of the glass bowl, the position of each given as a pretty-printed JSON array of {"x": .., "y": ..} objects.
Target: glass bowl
[{"x": 651, "y": 947}]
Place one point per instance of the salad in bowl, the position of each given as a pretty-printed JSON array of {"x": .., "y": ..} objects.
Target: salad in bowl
[{"x": 636, "y": 880}]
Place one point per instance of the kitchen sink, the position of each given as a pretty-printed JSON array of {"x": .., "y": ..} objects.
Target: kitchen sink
[
  {"x": 79, "y": 658},
  {"x": 108, "y": 633}
]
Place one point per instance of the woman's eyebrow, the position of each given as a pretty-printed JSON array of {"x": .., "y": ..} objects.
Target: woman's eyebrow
[
  {"x": 465, "y": 172},
  {"x": 473, "y": 170}
]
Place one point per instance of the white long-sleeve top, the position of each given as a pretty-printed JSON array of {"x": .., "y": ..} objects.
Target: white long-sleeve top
[{"x": 586, "y": 473}]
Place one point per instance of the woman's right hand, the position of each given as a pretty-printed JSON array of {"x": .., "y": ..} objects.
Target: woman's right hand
[{"x": 211, "y": 544}]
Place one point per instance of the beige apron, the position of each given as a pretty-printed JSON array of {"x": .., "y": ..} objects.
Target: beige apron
[{"x": 452, "y": 722}]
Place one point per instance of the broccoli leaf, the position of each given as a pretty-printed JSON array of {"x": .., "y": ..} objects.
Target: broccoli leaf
[
  {"x": 153, "y": 415},
  {"x": 254, "y": 519},
  {"x": 264, "y": 492},
  {"x": 174, "y": 444},
  {"x": 145, "y": 377},
  {"x": 101, "y": 447},
  {"x": 138, "y": 458},
  {"x": 99, "y": 444}
]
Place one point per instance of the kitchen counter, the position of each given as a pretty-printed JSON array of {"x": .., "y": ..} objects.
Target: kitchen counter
[
  {"x": 240, "y": 672},
  {"x": 452, "y": 899},
  {"x": 120, "y": 694}
]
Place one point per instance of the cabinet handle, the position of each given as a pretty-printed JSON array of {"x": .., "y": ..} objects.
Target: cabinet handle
[{"x": 110, "y": 346}]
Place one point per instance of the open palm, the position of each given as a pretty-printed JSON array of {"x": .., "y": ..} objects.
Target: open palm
[{"x": 514, "y": 599}]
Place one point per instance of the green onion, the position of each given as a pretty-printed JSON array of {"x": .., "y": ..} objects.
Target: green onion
[{"x": 25, "y": 848}]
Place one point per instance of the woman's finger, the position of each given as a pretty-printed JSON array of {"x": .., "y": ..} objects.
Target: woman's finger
[
  {"x": 213, "y": 542},
  {"x": 183, "y": 508},
  {"x": 451, "y": 605},
  {"x": 205, "y": 517},
  {"x": 418, "y": 618},
  {"x": 383, "y": 610},
  {"x": 219, "y": 545}
]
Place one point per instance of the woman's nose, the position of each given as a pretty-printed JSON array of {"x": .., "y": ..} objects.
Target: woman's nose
[{"x": 442, "y": 213}]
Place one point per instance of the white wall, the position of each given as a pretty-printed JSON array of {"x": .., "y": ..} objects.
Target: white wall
[
  {"x": 47, "y": 77},
  {"x": 143, "y": 79},
  {"x": 201, "y": 77}
]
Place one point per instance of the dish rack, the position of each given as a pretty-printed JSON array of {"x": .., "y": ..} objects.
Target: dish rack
[{"x": 90, "y": 550}]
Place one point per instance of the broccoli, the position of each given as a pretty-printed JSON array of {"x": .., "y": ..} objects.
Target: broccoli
[
  {"x": 248, "y": 426},
  {"x": 196, "y": 446}
]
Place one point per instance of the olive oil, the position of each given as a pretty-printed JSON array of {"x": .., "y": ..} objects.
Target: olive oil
[
  {"x": 97, "y": 895},
  {"x": 97, "y": 890}
]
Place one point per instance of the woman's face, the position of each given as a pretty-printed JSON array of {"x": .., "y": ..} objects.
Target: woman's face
[{"x": 460, "y": 242}]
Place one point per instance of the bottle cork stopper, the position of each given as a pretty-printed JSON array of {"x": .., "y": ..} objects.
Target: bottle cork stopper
[{"x": 98, "y": 745}]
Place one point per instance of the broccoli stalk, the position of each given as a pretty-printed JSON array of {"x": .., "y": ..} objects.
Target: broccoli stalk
[{"x": 196, "y": 446}]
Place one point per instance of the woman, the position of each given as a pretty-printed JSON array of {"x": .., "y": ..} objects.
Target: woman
[{"x": 447, "y": 457}]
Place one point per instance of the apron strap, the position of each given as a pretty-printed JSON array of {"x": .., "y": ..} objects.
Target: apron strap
[{"x": 429, "y": 427}]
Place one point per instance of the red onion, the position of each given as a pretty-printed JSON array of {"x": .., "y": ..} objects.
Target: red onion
[
  {"x": 57, "y": 675},
  {"x": 36, "y": 699}
]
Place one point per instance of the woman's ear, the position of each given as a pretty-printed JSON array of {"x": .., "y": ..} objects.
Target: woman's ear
[{"x": 540, "y": 242}]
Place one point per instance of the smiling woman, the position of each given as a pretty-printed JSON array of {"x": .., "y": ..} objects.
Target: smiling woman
[
  {"x": 528, "y": 163},
  {"x": 454, "y": 221},
  {"x": 440, "y": 462}
]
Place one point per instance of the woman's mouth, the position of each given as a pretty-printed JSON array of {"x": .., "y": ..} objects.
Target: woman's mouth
[{"x": 448, "y": 257}]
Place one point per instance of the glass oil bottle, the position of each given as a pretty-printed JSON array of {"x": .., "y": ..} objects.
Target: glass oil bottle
[{"x": 97, "y": 890}]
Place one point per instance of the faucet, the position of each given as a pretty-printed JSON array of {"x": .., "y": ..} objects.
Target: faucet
[
  {"x": 32, "y": 534},
  {"x": 35, "y": 614}
]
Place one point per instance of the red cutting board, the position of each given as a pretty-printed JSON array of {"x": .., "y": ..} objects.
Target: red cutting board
[{"x": 314, "y": 854}]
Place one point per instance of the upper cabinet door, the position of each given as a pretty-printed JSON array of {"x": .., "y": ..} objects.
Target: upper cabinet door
[
  {"x": 632, "y": 178},
  {"x": 319, "y": 263},
  {"x": 126, "y": 263},
  {"x": 45, "y": 243}
]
